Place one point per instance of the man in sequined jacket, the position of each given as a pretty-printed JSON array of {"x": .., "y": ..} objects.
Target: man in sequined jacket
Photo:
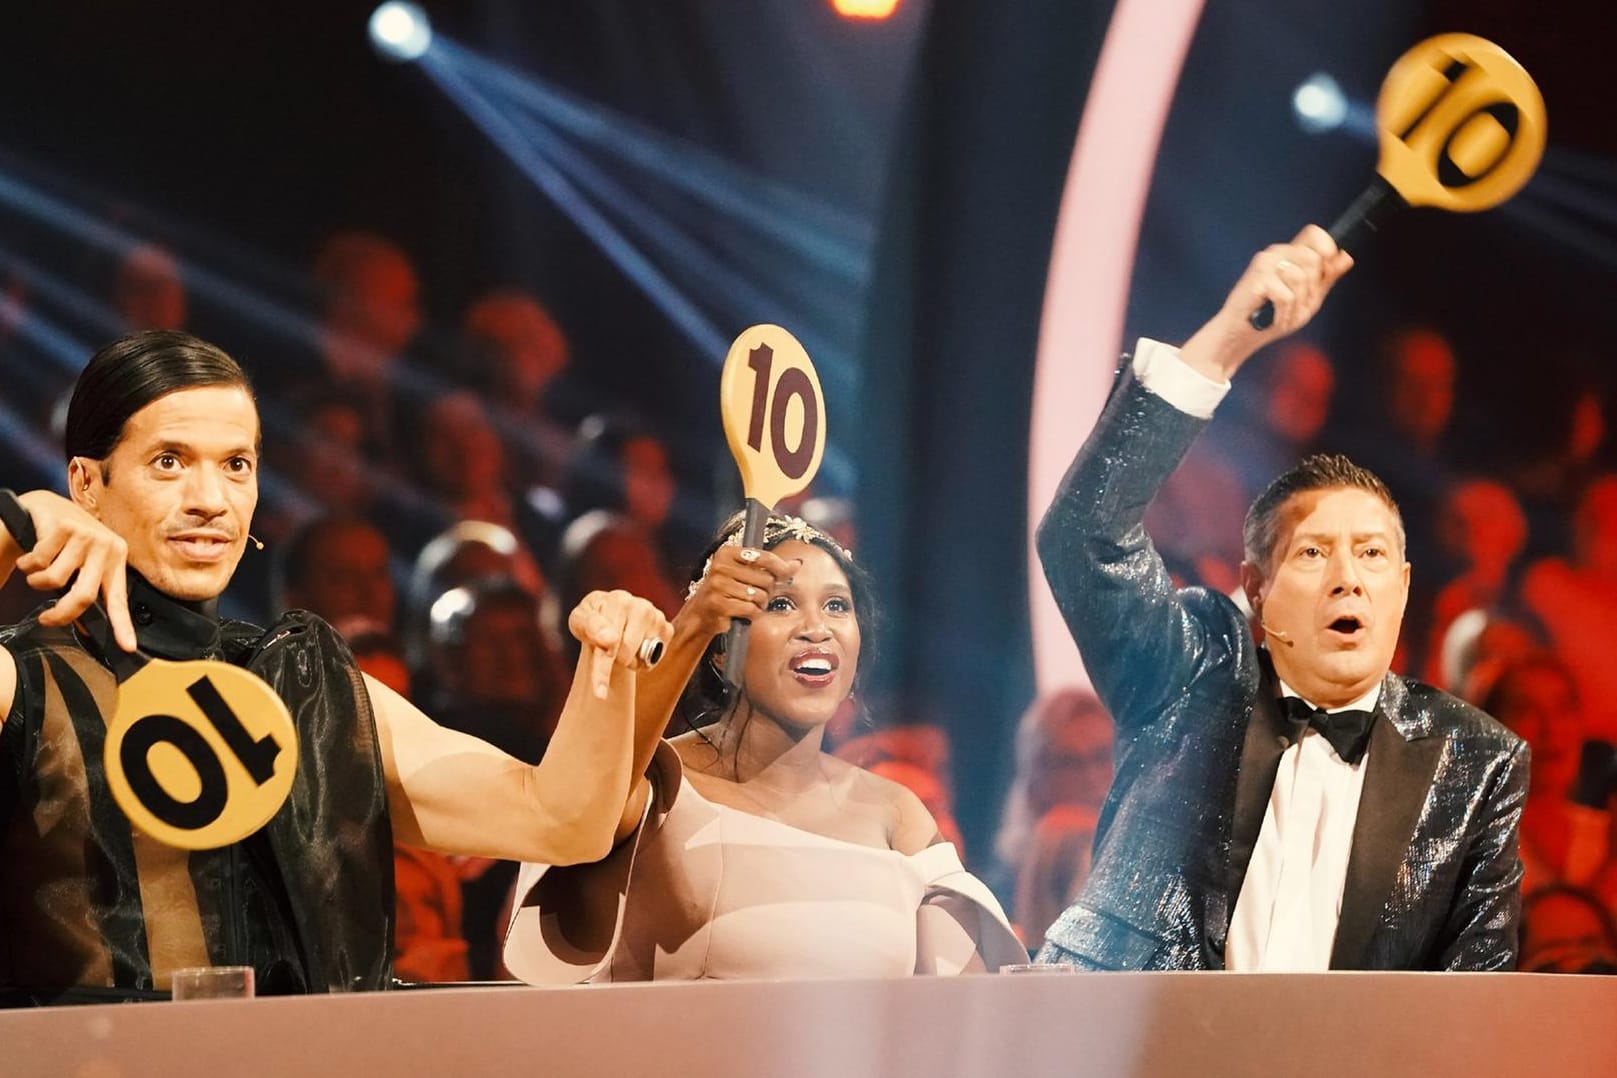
[{"x": 1289, "y": 805}]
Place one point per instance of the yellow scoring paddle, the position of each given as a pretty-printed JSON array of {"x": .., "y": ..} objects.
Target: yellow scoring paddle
[
  {"x": 1461, "y": 128},
  {"x": 774, "y": 420},
  {"x": 199, "y": 754}
]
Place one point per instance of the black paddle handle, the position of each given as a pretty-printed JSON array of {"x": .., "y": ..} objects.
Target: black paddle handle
[
  {"x": 735, "y": 643},
  {"x": 93, "y": 622},
  {"x": 1365, "y": 216},
  {"x": 17, "y": 521}
]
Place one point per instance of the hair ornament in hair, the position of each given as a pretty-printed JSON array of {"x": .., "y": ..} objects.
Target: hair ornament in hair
[{"x": 778, "y": 528}]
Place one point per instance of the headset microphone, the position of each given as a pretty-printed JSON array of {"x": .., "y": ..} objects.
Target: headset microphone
[{"x": 1279, "y": 634}]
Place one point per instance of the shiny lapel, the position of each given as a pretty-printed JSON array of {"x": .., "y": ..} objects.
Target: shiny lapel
[
  {"x": 1401, "y": 763},
  {"x": 1268, "y": 733}
]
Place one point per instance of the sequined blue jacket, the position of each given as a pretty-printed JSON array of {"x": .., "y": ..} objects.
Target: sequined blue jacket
[{"x": 1433, "y": 879}]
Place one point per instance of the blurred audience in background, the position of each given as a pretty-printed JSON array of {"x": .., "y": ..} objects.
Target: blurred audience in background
[
  {"x": 620, "y": 466},
  {"x": 1482, "y": 532},
  {"x": 1567, "y": 930},
  {"x": 1576, "y": 601},
  {"x": 428, "y": 944},
  {"x": 370, "y": 313},
  {"x": 602, "y": 550},
  {"x": 1279, "y": 420},
  {"x": 149, "y": 292},
  {"x": 465, "y": 552},
  {"x": 1047, "y": 828},
  {"x": 337, "y": 566},
  {"x": 459, "y": 461},
  {"x": 1562, "y": 839},
  {"x": 514, "y": 354},
  {"x": 495, "y": 674}
]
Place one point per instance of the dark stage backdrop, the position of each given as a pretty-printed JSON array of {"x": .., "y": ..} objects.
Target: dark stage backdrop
[{"x": 948, "y": 365}]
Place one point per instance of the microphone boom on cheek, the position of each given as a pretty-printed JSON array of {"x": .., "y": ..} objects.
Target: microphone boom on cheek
[{"x": 1279, "y": 634}]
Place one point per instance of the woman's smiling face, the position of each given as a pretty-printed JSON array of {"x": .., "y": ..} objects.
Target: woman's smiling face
[{"x": 804, "y": 649}]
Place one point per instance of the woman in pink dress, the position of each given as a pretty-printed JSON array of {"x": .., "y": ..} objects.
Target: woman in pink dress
[{"x": 748, "y": 851}]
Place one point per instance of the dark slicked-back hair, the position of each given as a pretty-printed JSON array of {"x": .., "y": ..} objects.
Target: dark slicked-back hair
[
  {"x": 1322, "y": 471},
  {"x": 129, "y": 374}
]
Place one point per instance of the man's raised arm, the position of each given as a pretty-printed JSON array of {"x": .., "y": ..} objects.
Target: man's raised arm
[{"x": 1137, "y": 637}]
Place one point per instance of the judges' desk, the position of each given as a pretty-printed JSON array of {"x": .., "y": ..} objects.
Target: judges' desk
[{"x": 1014, "y": 1025}]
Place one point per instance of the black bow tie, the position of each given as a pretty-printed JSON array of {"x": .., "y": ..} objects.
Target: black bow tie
[{"x": 1347, "y": 731}]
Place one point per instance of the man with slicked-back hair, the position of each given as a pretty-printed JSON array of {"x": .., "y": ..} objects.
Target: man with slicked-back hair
[{"x": 162, "y": 447}]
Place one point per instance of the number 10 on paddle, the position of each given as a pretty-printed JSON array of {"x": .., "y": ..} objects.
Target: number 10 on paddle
[{"x": 774, "y": 420}]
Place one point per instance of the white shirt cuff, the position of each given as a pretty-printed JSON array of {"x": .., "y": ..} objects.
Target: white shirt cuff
[{"x": 1160, "y": 370}]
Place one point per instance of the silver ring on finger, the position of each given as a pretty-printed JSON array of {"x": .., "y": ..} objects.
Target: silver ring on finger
[
  {"x": 751, "y": 591},
  {"x": 650, "y": 652},
  {"x": 1285, "y": 264},
  {"x": 748, "y": 555}
]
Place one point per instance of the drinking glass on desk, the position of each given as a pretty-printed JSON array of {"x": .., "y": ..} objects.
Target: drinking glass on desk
[{"x": 212, "y": 982}]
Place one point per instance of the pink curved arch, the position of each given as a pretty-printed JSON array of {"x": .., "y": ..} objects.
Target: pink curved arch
[{"x": 1086, "y": 291}]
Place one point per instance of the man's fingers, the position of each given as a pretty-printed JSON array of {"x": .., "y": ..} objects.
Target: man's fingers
[
  {"x": 1337, "y": 266},
  {"x": 601, "y": 660},
  {"x": 590, "y": 623},
  {"x": 87, "y": 586},
  {"x": 46, "y": 547},
  {"x": 603, "y": 632},
  {"x": 1277, "y": 292},
  {"x": 72, "y": 542},
  {"x": 615, "y": 627},
  {"x": 648, "y": 624},
  {"x": 62, "y": 567},
  {"x": 1317, "y": 240},
  {"x": 115, "y": 588}
]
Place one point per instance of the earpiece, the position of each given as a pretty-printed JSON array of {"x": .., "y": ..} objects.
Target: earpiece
[{"x": 259, "y": 543}]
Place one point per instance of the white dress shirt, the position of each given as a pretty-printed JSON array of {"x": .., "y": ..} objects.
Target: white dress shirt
[{"x": 1291, "y": 898}]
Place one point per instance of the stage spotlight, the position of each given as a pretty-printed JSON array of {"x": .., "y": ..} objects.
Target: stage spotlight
[
  {"x": 1319, "y": 104},
  {"x": 400, "y": 31},
  {"x": 864, "y": 9}
]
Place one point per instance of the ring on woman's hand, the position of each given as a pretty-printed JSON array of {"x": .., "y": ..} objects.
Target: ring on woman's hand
[
  {"x": 1283, "y": 265},
  {"x": 751, "y": 591},
  {"x": 651, "y": 651},
  {"x": 748, "y": 555}
]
